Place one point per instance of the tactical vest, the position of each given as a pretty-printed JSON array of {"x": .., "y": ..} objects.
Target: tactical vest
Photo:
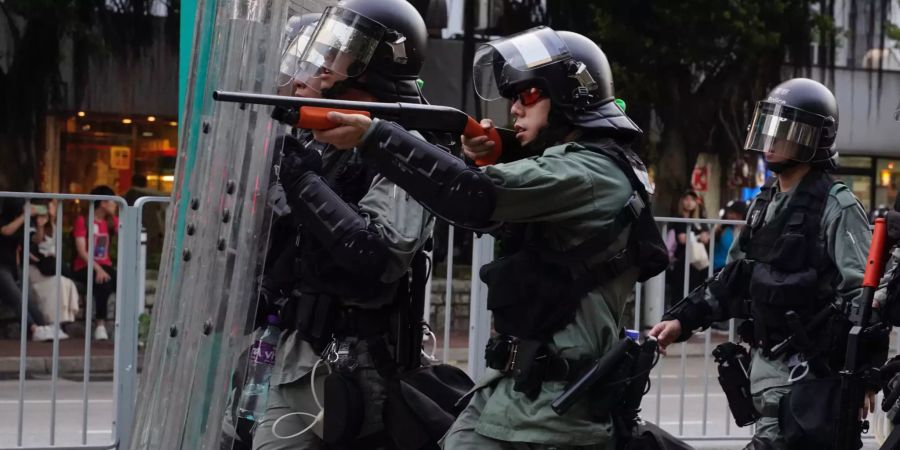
[
  {"x": 789, "y": 258},
  {"x": 534, "y": 290}
]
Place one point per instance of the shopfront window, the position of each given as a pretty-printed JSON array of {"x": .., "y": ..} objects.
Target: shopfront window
[
  {"x": 117, "y": 151},
  {"x": 861, "y": 185},
  {"x": 856, "y": 173},
  {"x": 887, "y": 177}
]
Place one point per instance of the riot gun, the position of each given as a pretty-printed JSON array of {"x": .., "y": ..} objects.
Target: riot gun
[
  {"x": 854, "y": 375},
  {"x": 625, "y": 368},
  {"x": 312, "y": 114}
]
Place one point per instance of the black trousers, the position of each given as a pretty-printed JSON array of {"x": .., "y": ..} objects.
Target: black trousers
[{"x": 101, "y": 291}]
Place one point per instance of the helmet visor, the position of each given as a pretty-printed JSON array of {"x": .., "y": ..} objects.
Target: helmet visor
[
  {"x": 340, "y": 47},
  {"x": 784, "y": 131},
  {"x": 499, "y": 62},
  {"x": 290, "y": 59}
]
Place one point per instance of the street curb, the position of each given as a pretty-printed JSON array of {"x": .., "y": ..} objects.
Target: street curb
[
  {"x": 37, "y": 365},
  {"x": 43, "y": 365}
]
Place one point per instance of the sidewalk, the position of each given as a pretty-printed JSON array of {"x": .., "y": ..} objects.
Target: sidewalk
[{"x": 39, "y": 357}]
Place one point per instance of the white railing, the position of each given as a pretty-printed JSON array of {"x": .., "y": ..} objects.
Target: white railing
[{"x": 25, "y": 434}]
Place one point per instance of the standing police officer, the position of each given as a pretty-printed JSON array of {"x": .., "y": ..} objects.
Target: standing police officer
[
  {"x": 578, "y": 232},
  {"x": 359, "y": 235},
  {"x": 801, "y": 255}
]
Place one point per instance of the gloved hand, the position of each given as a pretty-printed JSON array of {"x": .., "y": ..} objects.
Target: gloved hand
[{"x": 296, "y": 162}]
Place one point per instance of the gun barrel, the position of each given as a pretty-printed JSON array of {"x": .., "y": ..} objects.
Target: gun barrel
[{"x": 412, "y": 116}]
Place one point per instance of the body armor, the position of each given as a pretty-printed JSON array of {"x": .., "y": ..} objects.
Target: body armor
[{"x": 788, "y": 257}]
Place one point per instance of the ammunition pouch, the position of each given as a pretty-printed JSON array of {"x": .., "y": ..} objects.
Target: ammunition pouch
[
  {"x": 529, "y": 297},
  {"x": 808, "y": 413},
  {"x": 532, "y": 297},
  {"x": 734, "y": 370},
  {"x": 319, "y": 317},
  {"x": 774, "y": 293}
]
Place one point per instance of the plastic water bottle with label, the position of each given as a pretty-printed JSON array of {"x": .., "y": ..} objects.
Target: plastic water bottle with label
[{"x": 254, "y": 396}]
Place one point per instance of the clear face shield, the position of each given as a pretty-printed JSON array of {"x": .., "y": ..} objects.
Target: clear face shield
[
  {"x": 290, "y": 60},
  {"x": 340, "y": 47},
  {"x": 783, "y": 132},
  {"x": 501, "y": 63}
]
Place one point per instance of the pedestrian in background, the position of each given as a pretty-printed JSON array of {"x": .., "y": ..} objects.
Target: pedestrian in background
[{"x": 104, "y": 274}]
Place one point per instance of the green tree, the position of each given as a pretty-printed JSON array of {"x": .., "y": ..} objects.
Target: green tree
[
  {"x": 33, "y": 34},
  {"x": 692, "y": 69}
]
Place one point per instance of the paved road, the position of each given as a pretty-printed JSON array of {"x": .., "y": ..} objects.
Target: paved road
[{"x": 69, "y": 414}]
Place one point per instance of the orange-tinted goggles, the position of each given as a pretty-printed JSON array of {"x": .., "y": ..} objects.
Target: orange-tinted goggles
[{"x": 529, "y": 96}]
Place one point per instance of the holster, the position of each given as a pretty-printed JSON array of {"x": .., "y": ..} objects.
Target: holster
[{"x": 734, "y": 370}]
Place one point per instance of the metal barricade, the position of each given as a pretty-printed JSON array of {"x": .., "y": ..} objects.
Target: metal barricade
[
  {"x": 701, "y": 413},
  {"x": 128, "y": 298},
  {"x": 697, "y": 424}
]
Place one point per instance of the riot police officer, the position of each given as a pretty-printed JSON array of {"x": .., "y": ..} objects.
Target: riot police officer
[
  {"x": 358, "y": 237},
  {"x": 802, "y": 254},
  {"x": 577, "y": 231}
]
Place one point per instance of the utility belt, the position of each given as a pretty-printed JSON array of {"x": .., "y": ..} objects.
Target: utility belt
[
  {"x": 320, "y": 317},
  {"x": 530, "y": 362},
  {"x": 817, "y": 340},
  {"x": 615, "y": 382}
]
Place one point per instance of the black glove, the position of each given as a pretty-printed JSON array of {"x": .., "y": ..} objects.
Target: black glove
[{"x": 296, "y": 162}]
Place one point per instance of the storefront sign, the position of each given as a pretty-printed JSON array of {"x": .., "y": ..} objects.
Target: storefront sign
[{"x": 120, "y": 158}]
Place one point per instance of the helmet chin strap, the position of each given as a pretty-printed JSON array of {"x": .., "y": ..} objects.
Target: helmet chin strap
[
  {"x": 779, "y": 167},
  {"x": 341, "y": 87}
]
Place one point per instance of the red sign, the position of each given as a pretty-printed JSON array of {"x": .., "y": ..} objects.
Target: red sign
[{"x": 700, "y": 178}]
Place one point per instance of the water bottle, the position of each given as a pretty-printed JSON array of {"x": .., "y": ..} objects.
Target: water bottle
[
  {"x": 634, "y": 335},
  {"x": 252, "y": 405}
]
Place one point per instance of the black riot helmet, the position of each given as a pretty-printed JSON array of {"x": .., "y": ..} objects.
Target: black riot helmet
[
  {"x": 799, "y": 121},
  {"x": 376, "y": 45},
  {"x": 567, "y": 67}
]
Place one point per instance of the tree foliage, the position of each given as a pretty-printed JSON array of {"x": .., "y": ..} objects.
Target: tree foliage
[
  {"x": 36, "y": 32},
  {"x": 692, "y": 69}
]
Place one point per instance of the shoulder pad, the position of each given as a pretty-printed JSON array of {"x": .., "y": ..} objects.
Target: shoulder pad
[{"x": 842, "y": 193}]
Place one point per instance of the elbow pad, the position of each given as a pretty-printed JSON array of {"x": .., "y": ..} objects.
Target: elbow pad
[
  {"x": 338, "y": 227},
  {"x": 434, "y": 177}
]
